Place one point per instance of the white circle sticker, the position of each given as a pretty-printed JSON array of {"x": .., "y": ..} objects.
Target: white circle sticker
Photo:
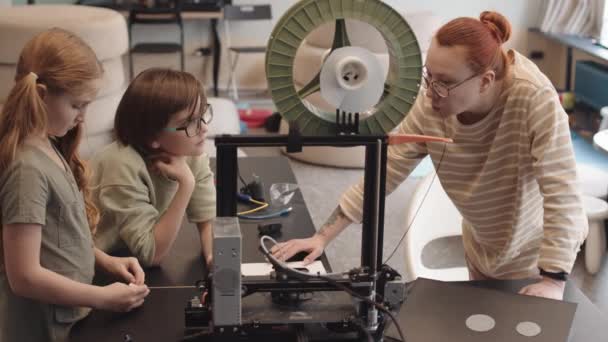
[
  {"x": 528, "y": 329},
  {"x": 480, "y": 323}
]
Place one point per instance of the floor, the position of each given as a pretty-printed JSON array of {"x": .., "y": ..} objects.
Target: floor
[{"x": 321, "y": 187}]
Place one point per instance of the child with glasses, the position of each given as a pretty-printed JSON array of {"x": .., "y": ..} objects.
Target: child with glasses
[
  {"x": 155, "y": 171},
  {"x": 47, "y": 257},
  {"x": 510, "y": 171}
]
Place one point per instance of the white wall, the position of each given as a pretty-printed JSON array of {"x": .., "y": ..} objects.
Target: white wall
[{"x": 521, "y": 13}]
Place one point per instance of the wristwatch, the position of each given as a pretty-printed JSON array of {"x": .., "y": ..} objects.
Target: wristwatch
[{"x": 563, "y": 276}]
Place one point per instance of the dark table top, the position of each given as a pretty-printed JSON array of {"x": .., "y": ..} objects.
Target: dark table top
[
  {"x": 161, "y": 318},
  {"x": 589, "y": 324},
  {"x": 184, "y": 266}
]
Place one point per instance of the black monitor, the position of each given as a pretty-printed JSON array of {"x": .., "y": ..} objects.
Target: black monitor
[{"x": 204, "y": 5}]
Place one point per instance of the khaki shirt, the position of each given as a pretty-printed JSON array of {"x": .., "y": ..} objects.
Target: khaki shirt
[
  {"x": 131, "y": 199},
  {"x": 35, "y": 190}
]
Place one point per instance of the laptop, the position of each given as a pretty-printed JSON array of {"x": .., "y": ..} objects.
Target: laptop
[{"x": 435, "y": 311}]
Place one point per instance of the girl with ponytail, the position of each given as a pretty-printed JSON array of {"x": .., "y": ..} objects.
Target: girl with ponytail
[
  {"x": 48, "y": 258},
  {"x": 510, "y": 171}
]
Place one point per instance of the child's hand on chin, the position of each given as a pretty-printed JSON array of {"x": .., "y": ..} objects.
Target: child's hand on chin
[{"x": 172, "y": 167}]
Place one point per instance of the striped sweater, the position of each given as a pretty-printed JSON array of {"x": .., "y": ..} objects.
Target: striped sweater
[{"x": 511, "y": 175}]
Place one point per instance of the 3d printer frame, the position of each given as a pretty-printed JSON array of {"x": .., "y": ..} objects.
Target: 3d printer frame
[
  {"x": 374, "y": 176},
  {"x": 370, "y": 279}
]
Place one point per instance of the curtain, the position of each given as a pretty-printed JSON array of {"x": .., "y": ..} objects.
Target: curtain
[{"x": 578, "y": 17}]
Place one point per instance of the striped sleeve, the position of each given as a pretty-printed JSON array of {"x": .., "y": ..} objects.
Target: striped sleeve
[
  {"x": 401, "y": 160},
  {"x": 564, "y": 222}
]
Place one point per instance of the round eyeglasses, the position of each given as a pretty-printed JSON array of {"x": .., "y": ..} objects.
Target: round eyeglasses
[
  {"x": 193, "y": 127},
  {"x": 440, "y": 88}
]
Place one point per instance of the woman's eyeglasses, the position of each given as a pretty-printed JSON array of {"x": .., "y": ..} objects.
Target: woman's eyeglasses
[
  {"x": 194, "y": 126},
  {"x": 440, "y": 88}
]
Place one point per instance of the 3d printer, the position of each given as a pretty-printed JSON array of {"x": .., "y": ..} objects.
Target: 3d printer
[{"x": 222, "y": 306}]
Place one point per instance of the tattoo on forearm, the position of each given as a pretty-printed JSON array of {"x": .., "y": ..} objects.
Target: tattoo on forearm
[{"x": 333, "y": 218}]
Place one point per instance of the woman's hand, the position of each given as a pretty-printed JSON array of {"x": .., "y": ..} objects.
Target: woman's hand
[
  {"x": 314, "y": 246},
  {"x": 547, "y": 287}
]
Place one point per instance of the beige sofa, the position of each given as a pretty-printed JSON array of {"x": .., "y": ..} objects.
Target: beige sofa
[
  {"x": 106, "y": 32},
  {"x": 103, "y": 29}
]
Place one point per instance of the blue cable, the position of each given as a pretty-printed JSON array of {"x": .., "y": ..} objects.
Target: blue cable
[
  {"x": 279, "y": 213},
  {"x": 243, "y": 197},
  {"x": 247, "y": 199}
]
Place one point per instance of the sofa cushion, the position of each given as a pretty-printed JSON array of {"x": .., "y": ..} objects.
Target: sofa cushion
[
  {"x": 113, "y": 78},
  {"x": 99, "y": 123},
  {"x": 103, "y": 29}
]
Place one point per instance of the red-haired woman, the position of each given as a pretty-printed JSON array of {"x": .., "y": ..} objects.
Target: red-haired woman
[
  {"x": 510, "y": 171},
  {"x": 49, "y": 259}
]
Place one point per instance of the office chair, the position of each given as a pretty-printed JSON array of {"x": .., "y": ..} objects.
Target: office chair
[
  {"x": 242, "y": 13},
  {"x": 167, "y": 13},
  {"x": 436, "y": 218}
]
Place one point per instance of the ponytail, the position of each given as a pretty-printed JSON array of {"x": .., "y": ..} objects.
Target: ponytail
[{"x": 24, "y": 113}]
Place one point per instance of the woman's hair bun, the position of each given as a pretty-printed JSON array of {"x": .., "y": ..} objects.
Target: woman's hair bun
[{"x": 498, "y": 24}]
